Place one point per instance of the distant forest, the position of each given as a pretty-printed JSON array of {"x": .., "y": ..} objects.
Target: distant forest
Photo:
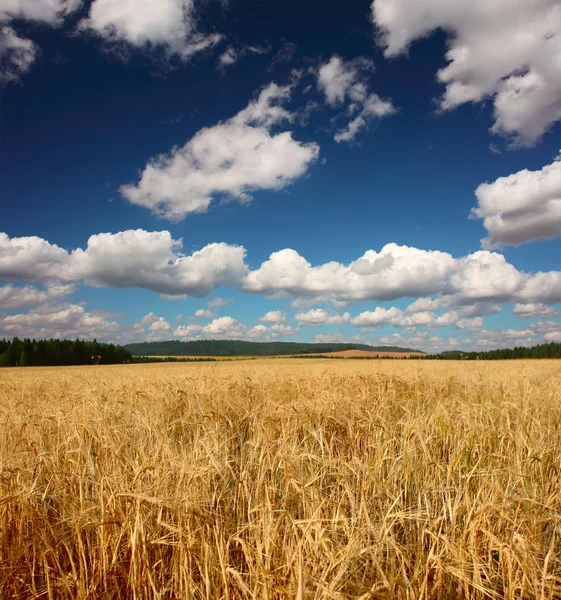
[
  {"x": 35, "y": 353},
  {"x": 551, "y": 350},
  {"x": 46, "y": 353},
  {"x": 239, "y": 348}
]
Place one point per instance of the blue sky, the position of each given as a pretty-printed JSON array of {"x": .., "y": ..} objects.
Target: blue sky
[{"x": 333, "y": 171}]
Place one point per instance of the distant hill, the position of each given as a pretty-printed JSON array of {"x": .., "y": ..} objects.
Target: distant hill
[{"x": 241, "y": 348}]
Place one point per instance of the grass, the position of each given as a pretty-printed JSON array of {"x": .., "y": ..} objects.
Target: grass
[{"x": 310, "y": 479}]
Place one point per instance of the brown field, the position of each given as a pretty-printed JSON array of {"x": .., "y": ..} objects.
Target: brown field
[{"x": 301, "y": 479}]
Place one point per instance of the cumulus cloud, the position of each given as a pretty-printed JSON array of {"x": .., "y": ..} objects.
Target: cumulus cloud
[
  {"x": 344, "y": 82},
  {"x": 13, "y": 297},
  {"x": 167, "y": 24},
  {"x": 132, "y": 258},
  {"x": 217, "y": 302},
  {"x": 232, "y": 329},
  {"x": 554, "y": 336},
  {"x": 504, "y": 338},
  {"x": 319, "y": 316},
  {"x": 472, "y": 285},
  {"x": 18, "y": 53},
  {"x": 158, "y": 328},
  {"x": 51, "y": 12},
  {"x": 30, "y": 258},
  {"x": 507, "y": 50},
  {"x": 273, "y": 316},
  {"x": 522, "y": 207},
  {"x": 394, "y": 272},
  {"x": 391, "y": 316},
  {"x": 203, "y": 313},
  {"x": 338, "y": 338},
  {"x": 230, "y": 160},
  {"x": 62, "y": 321},
  {"x": 527, "y": 311}
]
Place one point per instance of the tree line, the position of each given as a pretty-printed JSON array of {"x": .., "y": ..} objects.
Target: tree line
[
  {"x": 551, "y": 350},
  {"x": 52, "y": 352},
  {"x": 242, "y": 348}
]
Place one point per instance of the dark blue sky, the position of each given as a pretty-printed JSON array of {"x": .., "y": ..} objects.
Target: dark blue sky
[{"x": 82, "y": 121}]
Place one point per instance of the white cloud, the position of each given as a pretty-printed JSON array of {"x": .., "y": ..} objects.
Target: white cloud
[
  {"x": 486, "y": 275},
  {"x": 16, "y": 55},
  {"x": 29, "y": 258},
  {"x": 424, "y": 304},
  {"x": 158, "y": 328},
  {"x": 391, "y": 316},
  {"x": 51, "y": 12},
  {"x": 338, "y": 338},
  {"x": 319, "y": 316},
  {"x": 132, "y": 258},
  {"x": 541, "y": 287},
  {"x": 474, "y": 324},
  {"x": 471, "y": 285},
  {"x": 544, "y": 326},
  {"x": 527, "y": 311},
  {"x": 394, "y": 272},
  {"x": 232, "y": 329},
  {"x": 554, "y": 336},
  {"x": 217, "y": 302},
  {"x": 522, "y": 207},
  {"x": 13, "y": 297},
  {"x": 505, "y": 49},
  {"x": 504, "y": 338},
  {"x": 230, "y": 160},
  {"x": 344, "y": 81},
  {"x": 273, "y": 316},
  {"x": 203, "y": 313},
  {"x": 168, "y": 24},
  {"x": 61, "y": 321},
  {"x": 232, "y": 54}
]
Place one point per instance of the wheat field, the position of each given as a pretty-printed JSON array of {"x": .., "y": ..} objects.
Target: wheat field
[{"x": 269, "y": 479}]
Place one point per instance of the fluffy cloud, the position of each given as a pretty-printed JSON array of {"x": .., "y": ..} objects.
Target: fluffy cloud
[
  {"x": 318, "y": 316},
  {"x": 478, "y": 280},
  {"x": 217, "y": 302},
  {"x": 471, "y": 285},
  {"x": 391, "y": 316},
  {"x": 167, "y": 24},
  {"x": 158, "y": 328},
  {"x": 522, "y": 207},
  {"x": 13, "y": 297},
  {"x": 203, "y": 313},
  {"x": 51, "y": 12},
  {"x": 230, "y": 160},
  {"x": 343, "y": 81},
  {"x": 30, "y": 258},
  {"x": 132, "y": 258},
  {"x": 17, "y": 53},
  {"x": 232, "y": 329},
  {"x": 527, "y": 311},
  {"x": 273, "y": 316},
  {"x": 62, "y": 321},
  {"x": 338, "y": 338},
  {"x": 394, "y": 272},
  {"x": 508, "y": 50},
  {"x": 554, "y": 336}
]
